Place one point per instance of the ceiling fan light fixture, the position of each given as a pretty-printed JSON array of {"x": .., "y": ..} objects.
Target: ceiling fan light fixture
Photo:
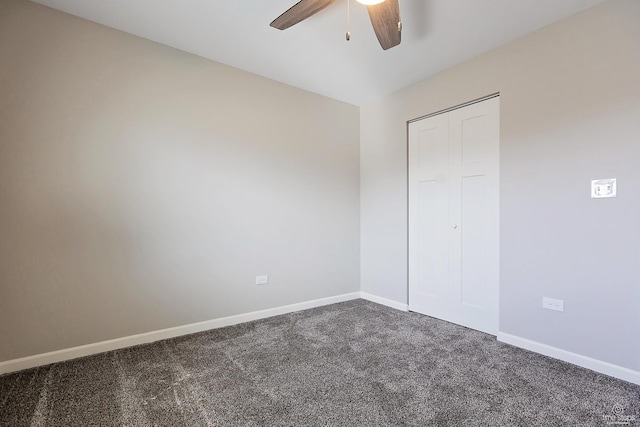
[
  {"x": 370, "y": 2},
  {"x": 383, "y": 14}
]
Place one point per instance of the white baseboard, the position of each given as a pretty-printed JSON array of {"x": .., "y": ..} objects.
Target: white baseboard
[
  {"x": 384, "y": 301},
  {"x": 118, "y": 343},
  {"x": 574, "y": 358},
  {"x": 115, "y": 344}
]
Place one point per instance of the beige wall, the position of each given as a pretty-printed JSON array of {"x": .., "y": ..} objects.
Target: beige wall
[
  {"x": 570, "y": 113},
  {"x": 143, "y": 188}
]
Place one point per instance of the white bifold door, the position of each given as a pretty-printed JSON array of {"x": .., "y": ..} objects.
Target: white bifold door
[{"x": 453, "y": 215}]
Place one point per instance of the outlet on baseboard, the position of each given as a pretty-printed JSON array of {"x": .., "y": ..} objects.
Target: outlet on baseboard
[
  {"x": 262, "y": 280},
  {"x": 553, "y": 304}
]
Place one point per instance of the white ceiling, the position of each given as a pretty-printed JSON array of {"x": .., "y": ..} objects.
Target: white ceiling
[{"x": 314, "y": 54}]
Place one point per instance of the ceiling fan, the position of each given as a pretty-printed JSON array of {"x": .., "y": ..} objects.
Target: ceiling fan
[{"x": 384, "y": 15}]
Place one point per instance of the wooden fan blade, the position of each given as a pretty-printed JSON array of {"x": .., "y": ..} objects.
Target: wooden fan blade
[
  {"x": 385, "y": 18},
  {"x": 299, "y": 12}
]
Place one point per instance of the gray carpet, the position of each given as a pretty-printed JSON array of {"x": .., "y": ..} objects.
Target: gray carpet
[{"x": 354, "y": 363}]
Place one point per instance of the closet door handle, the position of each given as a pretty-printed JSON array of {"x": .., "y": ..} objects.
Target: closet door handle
[{"x": 455, "y": 226}]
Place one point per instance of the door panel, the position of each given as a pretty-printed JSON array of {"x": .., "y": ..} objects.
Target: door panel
[
  {"x": 432, "y": 151},
  {"x": 427, "y": 204},
  {"x": 473, "y": 134},
  {"x": 427, "y": 244},
  {"x": 473, "y": 262}
]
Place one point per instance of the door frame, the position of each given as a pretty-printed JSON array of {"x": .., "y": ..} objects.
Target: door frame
[{"x": 446, "y": 110}]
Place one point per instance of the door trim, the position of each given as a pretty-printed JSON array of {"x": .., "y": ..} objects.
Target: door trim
[{"x": 446, "y": 110}]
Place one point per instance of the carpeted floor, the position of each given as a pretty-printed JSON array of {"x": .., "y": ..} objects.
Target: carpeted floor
[{"x": 349, "y": 364}]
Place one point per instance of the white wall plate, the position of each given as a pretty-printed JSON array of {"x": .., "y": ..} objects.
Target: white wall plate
[{"x": 601, "y": 188}]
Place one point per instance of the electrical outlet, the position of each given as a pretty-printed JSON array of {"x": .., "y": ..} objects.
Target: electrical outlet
[
  {"x": 262, "y": 280},
  {"x": 553, "y": 304}
]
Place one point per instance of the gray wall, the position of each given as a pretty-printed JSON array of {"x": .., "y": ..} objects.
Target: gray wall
[
  {"x": 143, "y": 188},
  {"x": 570, "y": 112}
]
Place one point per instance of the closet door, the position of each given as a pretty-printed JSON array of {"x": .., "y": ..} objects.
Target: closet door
[{"x": 453, "y": 216}]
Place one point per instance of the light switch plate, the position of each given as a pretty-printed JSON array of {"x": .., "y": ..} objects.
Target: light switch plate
[
  {"x": 262, "y": 280},
  {"x": 601, "y": 188}
]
